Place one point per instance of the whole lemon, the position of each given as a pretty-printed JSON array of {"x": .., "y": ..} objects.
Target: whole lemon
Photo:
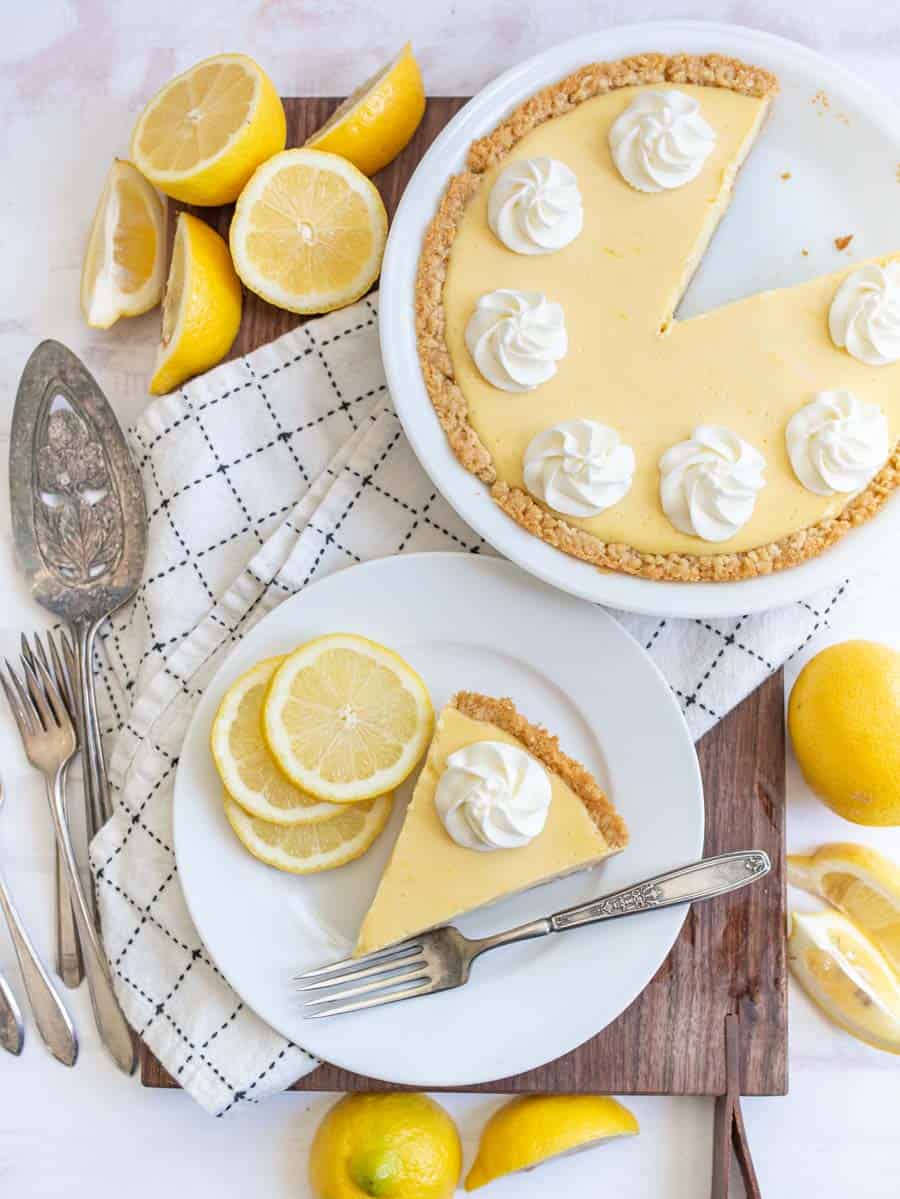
[
  {"x": 399, "y": 1145},
  {"x": 844, "y": 718}
]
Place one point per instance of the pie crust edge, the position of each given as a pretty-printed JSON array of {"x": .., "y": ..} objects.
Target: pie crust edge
[
  {"x": 545, "y": 747},
  {"x": 711, "y": 70}
]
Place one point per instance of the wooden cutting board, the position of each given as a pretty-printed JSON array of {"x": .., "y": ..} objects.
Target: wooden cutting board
[{"x": 730, "y": 956}]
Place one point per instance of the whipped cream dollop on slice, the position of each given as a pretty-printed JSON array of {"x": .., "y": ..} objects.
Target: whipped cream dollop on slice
[
  {"x": 837, "y": 442},
  {"x": 708, "y": 484},
  {"x": 535, "y": 206},
  {"x": 516, "y": 338},
  {"x": 578, "y": 467},
  {"x": 661, "y": 141},
  {"x": 493, "y": 796},
  {"x": 864, "y": 317}
]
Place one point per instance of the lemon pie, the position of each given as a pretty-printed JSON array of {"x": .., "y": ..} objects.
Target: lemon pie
[
  {"x": 732, "y": 444},
  {"x": 497, "y": 808}
]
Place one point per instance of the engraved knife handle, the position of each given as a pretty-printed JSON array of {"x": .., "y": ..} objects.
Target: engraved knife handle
[
  {"x": 700, "y": 880},
  {"x": 12, "y": 1030}
]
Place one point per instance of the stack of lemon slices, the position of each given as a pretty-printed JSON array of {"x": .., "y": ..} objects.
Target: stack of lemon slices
[{"x": 310, "y": 747}]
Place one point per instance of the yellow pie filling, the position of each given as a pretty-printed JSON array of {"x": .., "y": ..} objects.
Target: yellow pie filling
[{"x": 748, "y": 366}]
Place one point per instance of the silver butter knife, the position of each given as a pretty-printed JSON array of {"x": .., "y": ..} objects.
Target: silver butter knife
[
  {"x": 79, "y": 521},
  {"x": 12, "y": 1030}
]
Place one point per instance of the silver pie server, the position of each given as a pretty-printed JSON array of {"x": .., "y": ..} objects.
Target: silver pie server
[{"x": 79, "y": 522}]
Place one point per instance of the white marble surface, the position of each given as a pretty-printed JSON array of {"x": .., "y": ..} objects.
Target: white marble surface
[{"x": 73, "y": 77}]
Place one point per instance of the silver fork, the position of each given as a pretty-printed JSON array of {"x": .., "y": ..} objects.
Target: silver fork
[
  {"x": 439, "y": 960},
  {"x": 49, "y": 738},
  {"x": 69, "y": 964}
]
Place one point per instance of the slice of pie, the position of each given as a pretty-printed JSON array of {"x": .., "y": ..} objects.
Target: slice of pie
[
  {"x": 497, "y": 808},
  {"x": 720, "y": 447}
]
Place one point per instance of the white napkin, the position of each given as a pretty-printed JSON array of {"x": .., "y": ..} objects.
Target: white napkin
[{"x": 266, "y": 474}]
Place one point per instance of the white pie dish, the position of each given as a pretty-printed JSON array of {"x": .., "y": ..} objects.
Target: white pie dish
[{"x": 815, "y": 143}]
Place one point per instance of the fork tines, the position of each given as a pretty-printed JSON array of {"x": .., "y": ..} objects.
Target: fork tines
[
  {"x": 60, "y": 663},
  {"x": 388, "y": 975}
]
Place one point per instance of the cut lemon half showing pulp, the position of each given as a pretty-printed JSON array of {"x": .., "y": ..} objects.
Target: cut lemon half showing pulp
[
  {"x": 373, "y": 125},
  {"x": 847, "y": 976},
  {"x": 124, "y": 264},
  {"x": 309, "y": 848},
  {"x": 533, "y": 1129},
  {"x": 201, "y": 308},
  {"x": 246, "y": 768},
  {"x": 861, "y": 883},
  {"x": 204, "y": 134},
  {"x": 308, "y": 232},
  {"x": 346, "y": 719}
]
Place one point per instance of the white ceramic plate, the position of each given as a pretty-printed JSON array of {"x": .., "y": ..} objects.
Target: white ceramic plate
[
  {"x": 843, "y": 162},
  {"x": 463, "y": 622}
]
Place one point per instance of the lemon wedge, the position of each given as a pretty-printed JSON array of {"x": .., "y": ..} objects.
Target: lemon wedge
[
  {"x": 861, "y": 883},
  {"x": 124, "y": 264},
  {"x": 202, "y": 305},
  {"x": 847, "y": 976},
  {"x": 346, "y": 719},
  {"x": 308, "y": 232},
  {"x": 203, "y": 135},
  {"x": 246, "y": 768},
  {"x": 309, "y": 848},
  {"x": 373, "y": 125},
  {"x": 533, "y": 1129}
]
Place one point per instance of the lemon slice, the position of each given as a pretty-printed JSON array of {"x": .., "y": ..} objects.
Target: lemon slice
[
  {"x": 537, "y": 1128},
  {"x": 373, "y": 125},
  {"x": 847, "y": 976},
  {"x": 861, "y": 883},
  {"x": 245, "y": 765},
  {"x": 124, "y": 264},
  {"x": 202, "y": 305},
  {"x": 346, "y": 719},
  {"x": 204, "y": 134},
  {"x": 308, "y": 232},
  {"x": 309, "y": 848}
]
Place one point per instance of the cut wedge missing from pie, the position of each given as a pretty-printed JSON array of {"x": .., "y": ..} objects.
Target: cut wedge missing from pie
[
  {"x": 732, "y": 444},
  {"x": 497, "y": 808}
]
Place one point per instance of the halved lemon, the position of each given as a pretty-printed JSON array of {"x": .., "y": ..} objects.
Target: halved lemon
[
  {"x": 373, "y": 125},
  {"x": 124, "y": 264},
  {"x": 203, "y": 135},
  {"x": 201, "y": 308},
  {"x": 308, "y": 232},
  {"x": 309, "y": 848},
  {"x": 847, "y": 976},
  {"x": 861, "y": 883},
  {"x": 533, "y": 1129},
  {"x": 246, "y": 767},
  {"x": 346, "y": 719}
]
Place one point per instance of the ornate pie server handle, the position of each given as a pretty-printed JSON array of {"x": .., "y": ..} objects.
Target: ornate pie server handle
[
  {"x": 701, "y": 880},
  {"x": 96, "y": 784}
]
